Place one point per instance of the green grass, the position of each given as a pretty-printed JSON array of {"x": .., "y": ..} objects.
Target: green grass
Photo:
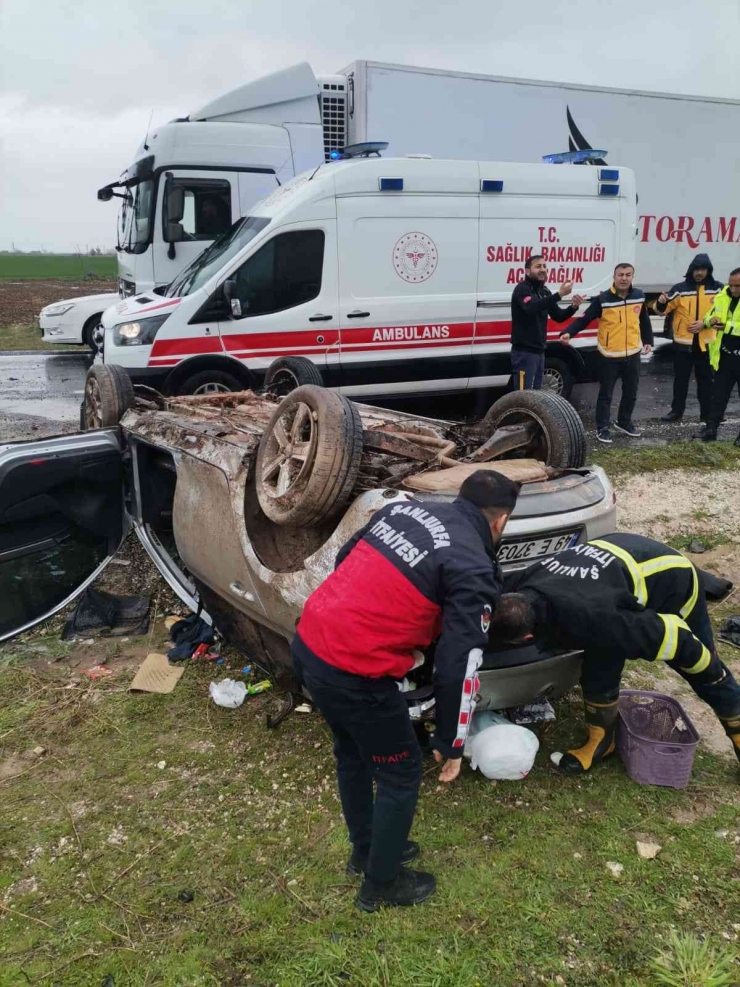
[
  {"x": 628, "y": 461},
  {"x": 21, "y": 337},
  {"x": 54, "y": 267},
  {"x": 248, "y": 822}
]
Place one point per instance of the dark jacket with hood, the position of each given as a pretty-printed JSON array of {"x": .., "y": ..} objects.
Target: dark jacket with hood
[{"x": 689, "y": 302}]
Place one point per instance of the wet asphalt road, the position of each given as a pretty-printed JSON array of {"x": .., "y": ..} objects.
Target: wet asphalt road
[{"x": 47, "y": 388}]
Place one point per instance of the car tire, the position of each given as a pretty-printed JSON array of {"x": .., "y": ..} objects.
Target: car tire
[
  {"x": 561, "y": 440},
  {"x": 558, "y": 378},
  {"x": 210, "y": 382},
  {"x": 88, "y": 331},
  {"x": 310, "y": 487},
  {"x": 289, "y": 372},
  {"x": 109, "y": 394}
]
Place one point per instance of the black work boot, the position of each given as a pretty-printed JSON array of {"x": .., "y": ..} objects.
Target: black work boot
[
  {"x": 357, "y": 863},
  {"x": 601, "y": 720},
  {"x": 672, "y": 416},
  {"x": 707, "y": 434},
  {"x": 410, "y": 887}
]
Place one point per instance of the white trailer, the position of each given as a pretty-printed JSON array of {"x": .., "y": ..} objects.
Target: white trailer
[{"x": 683, "y": 150}]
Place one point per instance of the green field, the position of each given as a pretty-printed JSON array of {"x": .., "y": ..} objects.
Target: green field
[{"x": 54, "y": 267}]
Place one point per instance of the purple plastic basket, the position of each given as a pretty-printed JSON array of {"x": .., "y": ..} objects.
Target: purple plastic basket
[{"x": 653, "y": 749}]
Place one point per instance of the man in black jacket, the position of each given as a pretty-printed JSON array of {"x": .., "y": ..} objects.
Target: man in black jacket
[
  {"x": 617, "y": 598},
  {"x": 415, "y": 572},
  {"x": 532, "y": 303}
]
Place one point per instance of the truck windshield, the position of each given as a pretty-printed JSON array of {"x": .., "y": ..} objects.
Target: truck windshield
[
  {"x": 216, "y": 256},
  {"x": 135, "y": 218}
]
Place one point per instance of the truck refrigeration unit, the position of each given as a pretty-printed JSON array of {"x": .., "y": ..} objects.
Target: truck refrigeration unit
[{"x": 194, "y": 176}]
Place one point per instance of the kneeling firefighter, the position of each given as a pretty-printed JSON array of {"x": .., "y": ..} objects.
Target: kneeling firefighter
[{"x": 617, "y": 598}]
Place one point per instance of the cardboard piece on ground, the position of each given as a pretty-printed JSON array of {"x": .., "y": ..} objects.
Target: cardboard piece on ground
[
  {"x": 156, "y": 674},
  {"x": 451, "y": 479}
]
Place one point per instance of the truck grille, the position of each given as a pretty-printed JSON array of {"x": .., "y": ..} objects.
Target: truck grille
[{"x": 333, "y": 101}]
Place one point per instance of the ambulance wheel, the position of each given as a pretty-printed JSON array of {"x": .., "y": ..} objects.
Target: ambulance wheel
[
  {"x": 309, "y": 456},
  {"x": 558, "y": 378},
  {"x": 288, "y": 372},
  {"x": 109, "y": 394},
  {"x": 560, "y": 440},
  {"x": 210, "y": 382}
]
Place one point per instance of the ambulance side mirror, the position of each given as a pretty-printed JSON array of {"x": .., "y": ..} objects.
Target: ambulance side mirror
[{"x": 234, "y": 304}]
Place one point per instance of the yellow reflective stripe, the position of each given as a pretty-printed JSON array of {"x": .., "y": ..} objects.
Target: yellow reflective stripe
[
  {"x": 664, "y": 562},
  {"x": 669, "y": 644},
  {"x": 701, "y": 664},
  {"x": 640, "y": 589}
]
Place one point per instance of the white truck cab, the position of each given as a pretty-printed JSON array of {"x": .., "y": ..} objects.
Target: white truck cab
[
  {"x": 391, "y": 275},
  {"x": 193, "y": 177}
]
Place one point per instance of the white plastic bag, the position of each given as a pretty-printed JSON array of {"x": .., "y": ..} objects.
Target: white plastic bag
[
  {"x": 228, "y": 693},
  {"x": 504, "y": 751}
]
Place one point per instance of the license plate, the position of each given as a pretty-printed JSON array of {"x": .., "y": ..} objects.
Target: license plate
[{"x": 525, "y": 551}]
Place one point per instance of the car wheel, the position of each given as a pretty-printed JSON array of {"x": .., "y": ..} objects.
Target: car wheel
[
  {"x": 210, "y": 382},
  {"x": 288, "y": 372},
  {"x": 560, "y": 439},
  {"x": 558, "y": 378},
  {"x": 88, "y": 331},
  {"x": 309, "y": 457},
  {"x": 109, "y": 394}
]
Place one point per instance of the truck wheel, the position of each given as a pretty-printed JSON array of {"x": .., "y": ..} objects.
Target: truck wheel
[
  {"x": 88, "y": 331},
  {"x": 560, "y": 440},
  {"x": 558, "y": 378},
  {"x": 309, "y": 457},
  {"x": 210, "y": 382},
  {"x": 288, "y": 372},
  {"x": 109, "y": 394}
]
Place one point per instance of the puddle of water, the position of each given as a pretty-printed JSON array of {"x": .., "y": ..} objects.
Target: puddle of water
[{"x": 55, "y": 409}]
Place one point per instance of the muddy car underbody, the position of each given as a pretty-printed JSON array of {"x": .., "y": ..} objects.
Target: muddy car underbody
[{"x": 197, "y": 484}]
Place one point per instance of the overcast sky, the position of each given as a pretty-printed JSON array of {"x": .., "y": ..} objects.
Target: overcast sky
[{"x": 79, "y": 81}]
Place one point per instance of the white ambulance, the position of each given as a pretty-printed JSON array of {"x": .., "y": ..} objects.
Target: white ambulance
[{"x": 387, "y": 276}]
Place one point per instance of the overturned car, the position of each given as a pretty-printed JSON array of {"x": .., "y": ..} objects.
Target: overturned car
[{"x": 243, "y": 500}]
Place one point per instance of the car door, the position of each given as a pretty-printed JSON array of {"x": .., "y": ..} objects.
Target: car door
[
  {"x": 408, "y": 266},
  {"x": 61, "y": 522},
  {"x": 287, "y": 294}
]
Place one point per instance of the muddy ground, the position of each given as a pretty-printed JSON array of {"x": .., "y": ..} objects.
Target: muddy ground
[{"x": 21, "y": 301}]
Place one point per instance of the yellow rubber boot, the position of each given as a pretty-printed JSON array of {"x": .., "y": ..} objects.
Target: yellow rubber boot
[
  {"x": 601, "y": 720},
  {"x": 732, "y": 729}
]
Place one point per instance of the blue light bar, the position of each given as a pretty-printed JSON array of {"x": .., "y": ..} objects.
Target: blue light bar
[
  {"x": 391, "y": 185},
  {"x": 608, "y": 174},
  {"x": 491, "y": 185},
  {"x": 608, "y": 189},
  {"x": 574, "y": 157}
]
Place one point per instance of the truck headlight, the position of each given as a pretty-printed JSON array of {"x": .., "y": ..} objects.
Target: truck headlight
[
  {"x": 59, "y": 309},
  {"x": 138, "y": 333}
]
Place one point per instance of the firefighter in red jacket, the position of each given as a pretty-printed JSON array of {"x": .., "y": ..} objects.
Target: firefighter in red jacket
[
  {"x": 616, "y": 598},
  {"x": 415, "y": 572}
]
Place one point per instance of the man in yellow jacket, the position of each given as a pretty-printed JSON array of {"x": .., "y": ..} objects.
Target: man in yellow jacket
[
  {"x": 690, "y": 301},
  {"x": 724, "y": 353},
  {"x": 624, "y": 333}
]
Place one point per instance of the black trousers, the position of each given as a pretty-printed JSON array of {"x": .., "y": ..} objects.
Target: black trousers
[
  {"x": 686, "y": 359},
  {"x": 374, "y": 743},
  {"x": 612, "y": 369},
  {"x": 725, "y": 379},
  {"x": 716, "y": 685},
  {"x": 527, "y": 370}
]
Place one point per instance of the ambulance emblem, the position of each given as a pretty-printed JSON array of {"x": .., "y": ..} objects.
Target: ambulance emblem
[{"x": 415, "y": 257}]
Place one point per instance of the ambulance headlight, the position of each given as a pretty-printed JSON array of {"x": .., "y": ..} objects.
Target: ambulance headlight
[{"x": 138, "y": 333}]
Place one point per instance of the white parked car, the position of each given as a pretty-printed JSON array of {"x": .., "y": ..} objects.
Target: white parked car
[{"x": 74, "y": 320}]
